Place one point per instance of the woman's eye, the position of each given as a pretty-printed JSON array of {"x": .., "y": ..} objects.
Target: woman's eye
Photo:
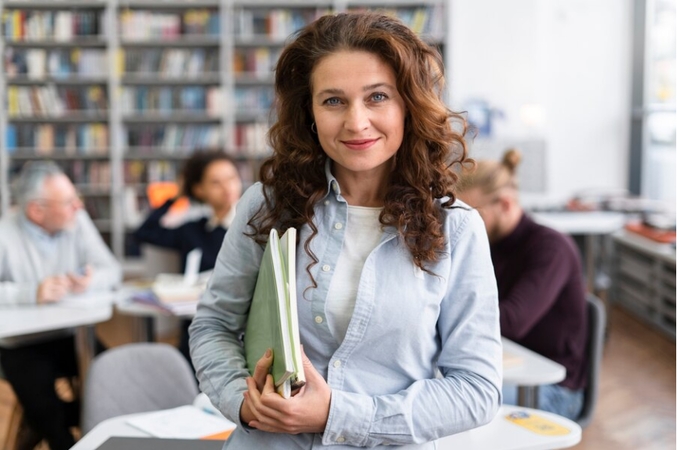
[
  {"x": 332, "y": 101},
  {"x": 379, "y": 96}
]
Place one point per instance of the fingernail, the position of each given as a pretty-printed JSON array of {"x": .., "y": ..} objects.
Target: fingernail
[{"x": 267, "y": 354}]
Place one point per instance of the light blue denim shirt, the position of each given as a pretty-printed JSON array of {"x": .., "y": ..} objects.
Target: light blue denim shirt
[{"x": 407, "y": 325}]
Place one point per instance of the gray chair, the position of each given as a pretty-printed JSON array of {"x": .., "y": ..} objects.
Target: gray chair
[
  {"x": 595, "y": 347},
  {"x": 136, "y": 378}
]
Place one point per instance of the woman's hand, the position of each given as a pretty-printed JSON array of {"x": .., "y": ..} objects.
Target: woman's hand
[
  {"x": 260, "y": 371},
  {"x": 306, "y": 412}
]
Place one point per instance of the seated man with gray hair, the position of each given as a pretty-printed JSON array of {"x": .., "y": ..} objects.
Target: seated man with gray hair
[{"x": 49, "y": 248}]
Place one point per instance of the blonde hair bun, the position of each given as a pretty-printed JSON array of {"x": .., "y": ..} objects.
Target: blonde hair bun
[{"x": 511, "y": 159}]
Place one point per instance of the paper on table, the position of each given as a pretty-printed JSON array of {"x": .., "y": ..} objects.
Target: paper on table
[
  {"x": 184, "y": 422},
  {"x": 89, "y": 299}
]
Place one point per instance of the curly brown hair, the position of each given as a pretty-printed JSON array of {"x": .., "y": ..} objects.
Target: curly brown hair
[{"x": 294, "y": 178}]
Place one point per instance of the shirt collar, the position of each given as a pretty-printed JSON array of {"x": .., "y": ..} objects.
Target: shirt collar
[
  {"x": 44, "y": 241},
  {"x": 332, "y": 182},
  {"x": 213, "y": 222}
]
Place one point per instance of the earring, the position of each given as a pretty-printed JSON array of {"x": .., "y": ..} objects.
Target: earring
[{"x": 313, "y": 128}]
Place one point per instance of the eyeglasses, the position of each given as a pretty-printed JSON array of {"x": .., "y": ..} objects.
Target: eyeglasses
[{"x": 73, "y": 201}]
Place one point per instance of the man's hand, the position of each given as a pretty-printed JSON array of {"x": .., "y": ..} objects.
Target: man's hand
[
  {"x": 53, "y": 289},
  {"x": 80, "y": 282}
]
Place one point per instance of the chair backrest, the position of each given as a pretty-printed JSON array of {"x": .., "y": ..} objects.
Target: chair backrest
[
  {"x": 135, "y": 378},
  {"x": 596, "y": 327}
]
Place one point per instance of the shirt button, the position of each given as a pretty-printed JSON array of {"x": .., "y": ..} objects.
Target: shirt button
[
  {"x": 338, "y": 226},
  {"x": 326, "y": 268},
  {"x": 326, "y": 202},
  {"x": 318, "y": 319},
  {"x": 340, "y": 439},
  {"x": 337, "y": 363}
]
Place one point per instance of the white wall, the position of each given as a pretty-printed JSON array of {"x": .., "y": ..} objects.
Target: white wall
[{"x": 570, "y": 60}]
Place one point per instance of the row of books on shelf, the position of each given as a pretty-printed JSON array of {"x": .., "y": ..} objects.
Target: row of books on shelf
[
  {"x": 49, "y": 139},
  {"x": 37, "y": 63},
  {"x": 253, "y": 99},
  {"x": 90, "y": 177},
  {"x": 142, "y": 172},
  {"x": 91, "y": 174},
  {"x": 49, "y": 100},
  {"x": 276, "y": 23},
  {"x": 168, "y": 63},
  {"x": 61, "y": 26},
  {"x": 136, "y": 24},
  {"x": 426, "y": 20},
  {"x": 171, "y": 99},
  {"x": 174, "y": 139},
  {"x": 250, "y": 140},
  {"x": 98, "y": 208},
  {"x": 258, "y": 60}
]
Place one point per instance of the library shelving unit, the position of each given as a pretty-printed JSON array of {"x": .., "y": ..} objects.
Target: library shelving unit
[
  {"x": 120, "y": 92},
  {"x": 55, "y": 88}
]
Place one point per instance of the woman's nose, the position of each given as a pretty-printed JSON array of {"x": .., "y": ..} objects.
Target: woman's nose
[{"x": 357, "y": 118}]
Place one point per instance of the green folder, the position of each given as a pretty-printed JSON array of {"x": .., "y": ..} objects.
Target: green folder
[{"x": 273, "y": 317}]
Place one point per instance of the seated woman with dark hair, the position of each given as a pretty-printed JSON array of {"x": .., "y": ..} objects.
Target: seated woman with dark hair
[{"x": 211, "y": 178}]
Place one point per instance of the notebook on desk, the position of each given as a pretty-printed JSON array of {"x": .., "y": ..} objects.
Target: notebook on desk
[{"x": 149, "y": 443}]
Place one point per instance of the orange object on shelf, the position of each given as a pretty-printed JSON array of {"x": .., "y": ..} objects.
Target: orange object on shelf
[
  {"x": 159, "y": 192},
  {"x": 662, "y": 236}
]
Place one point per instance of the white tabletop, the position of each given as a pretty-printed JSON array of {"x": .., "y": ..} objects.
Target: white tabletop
[
  {"x": 581, "y": 222},
  {"x": 500, "y": 434},
  {"x": 523, "y": 367},
  {"x": 22, "y": 321}
]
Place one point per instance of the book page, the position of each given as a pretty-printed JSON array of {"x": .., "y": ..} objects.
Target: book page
[{"x": 288, "y": 248}]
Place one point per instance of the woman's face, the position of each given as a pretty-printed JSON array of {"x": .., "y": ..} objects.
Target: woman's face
[
  {"x": 358, "y": 112},
  {"x": 220, "y": 186}
]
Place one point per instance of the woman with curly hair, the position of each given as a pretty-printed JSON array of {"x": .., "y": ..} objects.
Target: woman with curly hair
[{"x": 397, "y": 300}]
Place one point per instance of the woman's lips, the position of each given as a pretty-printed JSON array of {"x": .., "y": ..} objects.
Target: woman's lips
[{"x": 359, "y": 144}]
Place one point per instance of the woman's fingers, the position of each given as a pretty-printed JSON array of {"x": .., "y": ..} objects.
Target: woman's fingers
[{"x": 262, "y": 368}]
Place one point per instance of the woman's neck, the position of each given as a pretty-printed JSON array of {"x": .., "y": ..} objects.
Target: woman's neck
[
  {"x": 362, "y": 189},
  {"x": 221, "y": 213}
]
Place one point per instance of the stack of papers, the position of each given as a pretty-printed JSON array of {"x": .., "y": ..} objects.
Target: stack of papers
[
  {"x": 177, "y": 308},
  {"x": 174, "y": 293}
]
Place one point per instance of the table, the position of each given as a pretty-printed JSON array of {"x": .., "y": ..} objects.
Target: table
[
  {"x": 593, "y": 225},
  {"x": 147, "y": 314},
  {"x": 18, "y": 323},
  {"x": 528, "y": 370},
  {"x": 499, "y": 434}
]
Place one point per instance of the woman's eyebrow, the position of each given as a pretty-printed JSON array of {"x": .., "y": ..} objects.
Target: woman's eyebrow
[{"x": 336, "y": 91}]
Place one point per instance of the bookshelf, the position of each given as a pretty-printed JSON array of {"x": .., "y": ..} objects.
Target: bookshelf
[{"x": 120, "y": 92}]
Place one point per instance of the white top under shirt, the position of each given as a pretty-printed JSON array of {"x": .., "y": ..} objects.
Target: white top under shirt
[{"x": 362, "y": 235}]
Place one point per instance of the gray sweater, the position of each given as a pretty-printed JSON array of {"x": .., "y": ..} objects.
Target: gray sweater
[{"x": 22, "y": 267}]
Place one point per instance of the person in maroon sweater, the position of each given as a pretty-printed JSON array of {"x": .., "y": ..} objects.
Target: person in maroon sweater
[{"x": 540, "y": 281}]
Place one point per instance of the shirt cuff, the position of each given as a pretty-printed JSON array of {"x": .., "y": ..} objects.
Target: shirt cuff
[
  {"x": 350, "y": 416},
  {"x": 231, "y": 403}
]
